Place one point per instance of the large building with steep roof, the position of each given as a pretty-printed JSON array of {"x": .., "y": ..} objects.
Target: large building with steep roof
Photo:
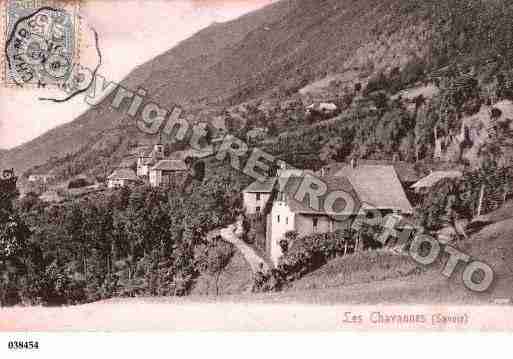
[
  {"x": 166, "y": 172},
  {"x": 121, "y": 177},
  {"x": 378, "y": 187},
  {"x": 335, "y": 210}
]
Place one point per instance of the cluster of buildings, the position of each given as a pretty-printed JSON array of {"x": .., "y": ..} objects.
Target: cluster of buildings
[
  {"x": 152, "y": 166},
  {"x": 388, "y": 187}
]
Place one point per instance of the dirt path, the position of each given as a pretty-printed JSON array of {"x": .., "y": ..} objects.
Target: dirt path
[{"x": 232, "y": 234}]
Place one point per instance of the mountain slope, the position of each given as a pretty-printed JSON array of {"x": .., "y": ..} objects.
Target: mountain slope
[
  {"x": 280, "y": 48},
  {"x": 202, "y": 49},
  {"x": 276, "y": 51}
]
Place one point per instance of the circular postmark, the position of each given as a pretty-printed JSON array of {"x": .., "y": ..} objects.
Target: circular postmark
[{"x": 40, "y": 48}]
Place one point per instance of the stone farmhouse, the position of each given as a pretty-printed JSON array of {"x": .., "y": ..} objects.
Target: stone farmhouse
[
  {"x": 41, "y": 178},
  {"x": 375, "y": 187},
  {"x": 290, "y": 214},
  {"x": 166, "y": 172},
  {"x": 152, "y": 167},
  {"x": 257, "y": 195},
  {"x": 122, "y": 177},
  {"x": 147, "y": 158}
]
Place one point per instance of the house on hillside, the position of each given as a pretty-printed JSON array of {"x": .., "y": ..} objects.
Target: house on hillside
[
  {"x": 377, "y": 186},
  {"x": 285, "y": 170},
  {"x": 121, "y": 177},
  {"x": 325, "y": 108},
  {"x": 288, "y": 213},
  {"x": 192, "y": 153},
  {"x": 293, "y": 172},
  {"x": 147, "y": 157},
  {"x": 256, "y": 134},
  {"x": 51, "y": 196},
  {"x": 166, "y": 172},
  {"x": 433, "y": 178},
  {"x": 257, "y": 195},
  {"x": 40, "y": 178}
]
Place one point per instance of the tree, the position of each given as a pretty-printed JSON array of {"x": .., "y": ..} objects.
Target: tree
[
  {"x": 75, "y": 226},
  {"x": 14, "y": 234},
  {"x": 336, "y": 149},
  {"x": 215, "y": 259}
]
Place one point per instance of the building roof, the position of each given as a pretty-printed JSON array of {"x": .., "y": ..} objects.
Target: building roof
[
  {"x": 377, "y": 186},
  {"x": 192, "y": 153},
  {"x": 404, "y": 170},
  {"x": 294, "y": 172},
  {"x": 256, "y": 132},
  {"x": 140, "y": 150},
  {"x": 290, "y": 186},
  {"x": 435, "y": 177},
  {"x": 41, "y": 175},
  {"x": 266, "y": 186},
  {"x": 128, "y": 162},
  {"x": 170, "y": 165},
  {"x": 123, "y": 174},
  {"x": 51, "y": 196}
]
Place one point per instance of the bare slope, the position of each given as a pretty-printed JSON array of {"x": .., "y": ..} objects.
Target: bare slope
[
  {"x": 387, "y": 278},
  {"x": 277, "y": 49}
]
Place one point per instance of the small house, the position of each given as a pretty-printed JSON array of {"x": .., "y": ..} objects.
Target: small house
[
  {"x": 51, "y": 196},
  {"x": 40, "y": 178},
  {"x": 289, "y": 213},
  {"x": 166, "y": 172},
  {"x": 256, "y": 196},
  {"x": 147, "y": 158},
  {"x": 256, "y": 134},
  {"x": 121, "y": 177}
]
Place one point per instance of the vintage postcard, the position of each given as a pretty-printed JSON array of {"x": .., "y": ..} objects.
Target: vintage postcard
[{"x": 256, "y": 165}]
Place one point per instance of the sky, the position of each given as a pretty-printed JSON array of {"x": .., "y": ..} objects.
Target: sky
[{"x": 131, "y": 33}]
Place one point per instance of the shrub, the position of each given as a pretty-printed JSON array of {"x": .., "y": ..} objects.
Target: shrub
[
  {"x": 310, "y": 252},
  {"x": 377, "y": 83},
  {"x": 78, "y": 183},
  {"x": 413, "y": 72}
]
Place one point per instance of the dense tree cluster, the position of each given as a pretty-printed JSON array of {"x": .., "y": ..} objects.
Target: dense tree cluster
[{"x": 133, "y": 241}]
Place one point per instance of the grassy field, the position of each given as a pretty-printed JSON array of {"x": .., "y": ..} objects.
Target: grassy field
[
  {"x": 235, "y": 278},
  {"x": 361, "y": 283},
  {"x": 383, "y": 277}
]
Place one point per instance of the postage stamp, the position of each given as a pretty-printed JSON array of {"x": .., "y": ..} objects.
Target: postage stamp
[{"x": 40, "y": 42}]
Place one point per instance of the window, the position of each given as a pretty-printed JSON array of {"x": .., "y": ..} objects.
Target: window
[
  {"x": 278, "y": 218},
  {"x": 286, "y": 220},
  {"x": 258, "y": 209},
  {"x": 258, "y": 196},
  {"x": 315, "y": 221}
]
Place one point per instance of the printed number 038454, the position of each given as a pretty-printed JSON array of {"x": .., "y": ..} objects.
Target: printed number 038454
[{"x": 21, "y": 345}]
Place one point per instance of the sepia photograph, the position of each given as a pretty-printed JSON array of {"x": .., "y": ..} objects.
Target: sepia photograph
[{"x": 255, "y": 166}]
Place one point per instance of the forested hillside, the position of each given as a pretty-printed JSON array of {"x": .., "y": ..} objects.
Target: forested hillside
[{"x": 428, "y": 82}]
